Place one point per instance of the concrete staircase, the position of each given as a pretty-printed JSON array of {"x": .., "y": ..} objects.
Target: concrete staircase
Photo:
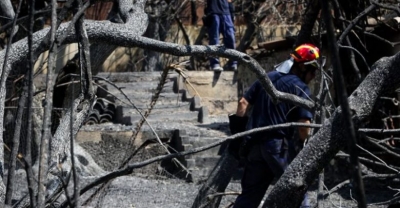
[
  {"x": 172, "y": 104},
  {"x": 178, "y": 118}
]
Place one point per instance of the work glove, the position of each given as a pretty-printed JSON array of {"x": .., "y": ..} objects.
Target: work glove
[{"x": 236, "y": 125}]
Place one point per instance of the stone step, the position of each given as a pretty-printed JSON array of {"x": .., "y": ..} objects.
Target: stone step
[
  {"x": 177, "y": 124},
  {"x": 210, "y": 152},
  {"x": 145, "y": 98},
  {"x": 134, "y": 76},
  {"x": 202, "y": 162},
  {"x": 201, "y": 168},
  {"x": 204, "y": 130},
  {"x": 218, "y": 119},
  {"x": 199, "y": 141},
  {"x": 190, "y": 142},
  {"x": 139, "y": 87},
  {"x": 91, "y": 134},
  {"x": 162, "y": 117},
  {"x": 186, "y": 128},
  {"x": 127, "y": 111},
  {"x": 207, "y": 153},
  {"x": 200, "y": 174},
  {"x": 158, "y": 105}
]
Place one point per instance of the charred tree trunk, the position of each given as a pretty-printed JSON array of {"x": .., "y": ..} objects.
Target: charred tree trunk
[
  {"x": 308, "y": 22},
  {"x": 6, "y": 9},
  {"x": 159, "y": 25},
  {"x": 195, "y": 61},
  {"x": 252, "y": 26},
  {"x": 216, "y": 182},
  {"x": 152, "y": 61},
  {"x": 193, "y": 9}
]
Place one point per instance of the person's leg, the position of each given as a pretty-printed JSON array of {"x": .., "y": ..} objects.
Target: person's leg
[
  {"x": 228, "y": 32},
  {"x": 279, "y": 158},
  {"x": 275, "y": 156},
  {"x": 213, "y": 35},
  {"x": 255, "y": 181}
]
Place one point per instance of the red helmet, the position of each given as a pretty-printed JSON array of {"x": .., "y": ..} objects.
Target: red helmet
[{"x": 305, "y": 53}]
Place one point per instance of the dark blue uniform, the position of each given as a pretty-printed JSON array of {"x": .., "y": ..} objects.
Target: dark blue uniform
[
  {"x": 220, "y": 21},
  {"x": 217, "y": 7},
  {"x": 272, "y": 151}
]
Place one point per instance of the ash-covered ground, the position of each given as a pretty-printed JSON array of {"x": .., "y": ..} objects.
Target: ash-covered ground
[
  {"x": 159, "y": 190},
  {"x": 151, "y": 186}
]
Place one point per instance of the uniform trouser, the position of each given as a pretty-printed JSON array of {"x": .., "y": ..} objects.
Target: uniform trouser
[
  {"x": 221, "y": 24},
  {"x": 265, "y": 161}
]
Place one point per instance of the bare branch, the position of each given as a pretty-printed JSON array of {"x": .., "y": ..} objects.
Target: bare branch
[{"x": 48, "y": 106}]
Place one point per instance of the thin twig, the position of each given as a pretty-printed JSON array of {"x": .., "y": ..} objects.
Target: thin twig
[{"x": 363, "y": 149}]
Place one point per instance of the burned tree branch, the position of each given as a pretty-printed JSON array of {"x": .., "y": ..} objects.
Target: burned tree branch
[
  {"x": 377, "y": 162},
  {"x": 346, "y": 182},
  {"x": 44, "y": 143},
  {"x": 374, "y": 143},
  {"x": 345, "y": 107}
]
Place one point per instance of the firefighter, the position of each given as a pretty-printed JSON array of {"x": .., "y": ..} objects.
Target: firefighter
[{"x": 271, "y": 152}]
